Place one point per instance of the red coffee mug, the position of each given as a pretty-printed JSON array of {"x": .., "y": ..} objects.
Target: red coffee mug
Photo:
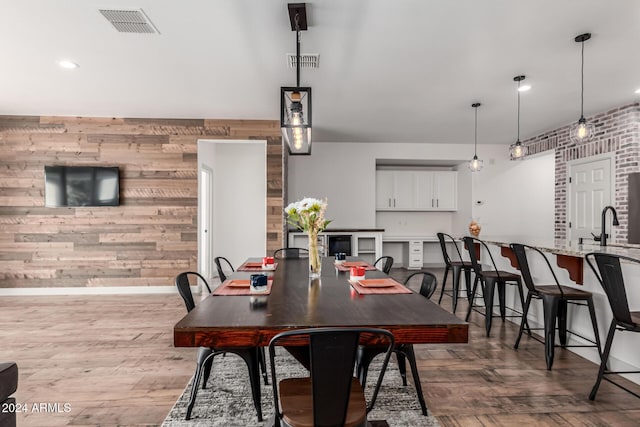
[
  {"x": 268, "y": 260},
  {"x": 357, "y": 271}
]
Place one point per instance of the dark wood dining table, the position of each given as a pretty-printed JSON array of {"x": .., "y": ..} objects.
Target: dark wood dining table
[{"x": 297, "y": 302}]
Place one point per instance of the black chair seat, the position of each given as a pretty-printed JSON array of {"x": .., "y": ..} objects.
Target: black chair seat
[
  {"x": 461, "y": 264},
  {"x": 563, "y": 291},
  {"x": 296, "y": 402},
  {"x": 500, "y": 275}
]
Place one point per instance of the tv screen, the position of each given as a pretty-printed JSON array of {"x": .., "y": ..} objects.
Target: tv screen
[{"x": 81, "y": 186}]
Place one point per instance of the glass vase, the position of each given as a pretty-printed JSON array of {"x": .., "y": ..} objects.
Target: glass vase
[{"x": 315, "y": 259}]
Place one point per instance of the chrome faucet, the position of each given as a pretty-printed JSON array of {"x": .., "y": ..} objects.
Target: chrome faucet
[{"x": 603, "y": 236}]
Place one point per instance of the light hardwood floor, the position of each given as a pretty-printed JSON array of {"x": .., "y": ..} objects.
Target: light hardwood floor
[{"x": 112, "y": 359}]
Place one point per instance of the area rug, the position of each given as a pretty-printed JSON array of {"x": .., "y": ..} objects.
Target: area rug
[{"x": 227, "y": 399}]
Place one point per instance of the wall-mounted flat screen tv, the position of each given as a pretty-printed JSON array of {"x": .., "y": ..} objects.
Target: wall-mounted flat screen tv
[{"x": 81, "y": 186}]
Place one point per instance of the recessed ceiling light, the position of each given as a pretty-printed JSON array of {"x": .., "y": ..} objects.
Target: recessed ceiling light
[
  {"x": 524, "y": 88},
  {"x": 638, "y": 91},
  {"x": 67, "y": 64}
]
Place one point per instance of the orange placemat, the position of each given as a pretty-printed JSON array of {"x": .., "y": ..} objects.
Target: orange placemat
[
  {"x": 379, "y": 286},
  {"x": 346, "y": 266},
  {"x": 256, "y": 266},
  {"x": 239, "y": 287}
]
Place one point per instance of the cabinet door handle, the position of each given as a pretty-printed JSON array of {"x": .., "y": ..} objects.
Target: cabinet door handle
[
  {"x": 394, "y": 202},
  {"x": 389, "y": 201},
  {"x": 431, "y": 202},
  {"x": 437, "y": 203}
]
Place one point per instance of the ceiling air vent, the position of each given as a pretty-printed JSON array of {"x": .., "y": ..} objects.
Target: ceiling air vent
[
  {"x": 129, "y": 21},
  {"x": 307, "y": 60}
]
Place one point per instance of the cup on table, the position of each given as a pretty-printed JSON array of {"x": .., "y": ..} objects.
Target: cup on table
[
  {"x": 268, "y": 262},
  {"x": 357, "y": 273},
  {"x": 258, "y": 282},
  {"x": 340, "y": 258}
]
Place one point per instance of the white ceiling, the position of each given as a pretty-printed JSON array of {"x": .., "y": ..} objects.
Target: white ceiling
[{"x": 390, "y": 71}]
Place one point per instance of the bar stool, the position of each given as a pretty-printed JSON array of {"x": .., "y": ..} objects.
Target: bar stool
[
  {"x": 490, "y": 279},
  {"x": 554, "y": 302},
  {"x": 609, "y": 274},
  {"x": 457, "y": 267}
]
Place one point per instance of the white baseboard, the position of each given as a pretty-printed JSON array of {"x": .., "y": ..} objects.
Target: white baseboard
[{"x": 106, "y": 290}]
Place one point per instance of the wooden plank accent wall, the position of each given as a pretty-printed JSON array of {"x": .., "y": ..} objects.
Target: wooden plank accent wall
[{"x": 146, "y": 240}]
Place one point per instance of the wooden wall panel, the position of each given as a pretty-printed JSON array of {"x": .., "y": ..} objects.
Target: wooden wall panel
[{"x": 146, "y": 240}]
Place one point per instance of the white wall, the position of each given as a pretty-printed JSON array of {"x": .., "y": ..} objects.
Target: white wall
[
  {"x": 517, "y": 198},
  {"x": 513, "y": 193},
  {"x": 344, "y": 173},
  {"x": 239, "y": 197}
]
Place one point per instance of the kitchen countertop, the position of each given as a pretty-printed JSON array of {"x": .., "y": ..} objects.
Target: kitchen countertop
[
  {"x": 407, "y": 238},
  {"x": 345, "y": 230},
  {"x": 567, "y": 247}
]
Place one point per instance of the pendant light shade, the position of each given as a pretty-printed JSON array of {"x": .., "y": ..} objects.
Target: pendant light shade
[
  {"x": 475, "y": 164},
  {"x": 295, "y": 119},
  {"x": 582, "y": 131},
  {"x": 517, "y": 151},
  {"x": 295, "y": 102}
]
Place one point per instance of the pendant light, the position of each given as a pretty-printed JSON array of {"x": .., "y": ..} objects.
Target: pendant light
[
  {"x": 295, "y": 102},
  {"x": 582, "y": 131},
  {"x": 475, "y": 165},
  {"x": 517, "y": 151}
]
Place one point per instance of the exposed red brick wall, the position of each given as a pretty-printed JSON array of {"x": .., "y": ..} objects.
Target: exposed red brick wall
[{"x": 617, "y": 131}]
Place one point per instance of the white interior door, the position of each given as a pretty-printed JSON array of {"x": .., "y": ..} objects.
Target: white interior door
[
  {"x": 205, "y": 214},
  {"x": 238, "y": 198},
  {"x": 590, "y": 192}
]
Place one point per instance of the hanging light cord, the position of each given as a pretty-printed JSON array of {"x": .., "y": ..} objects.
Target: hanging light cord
[
  {"x": 582, "y": 83},
  {"x": 518, "y": 140},
  {"x": 475, "y": 136},
  {"x": 297, "y": 19}
]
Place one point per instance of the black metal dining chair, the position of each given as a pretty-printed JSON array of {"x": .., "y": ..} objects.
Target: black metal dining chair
[
  {"x": 404, "y": 352},
  {"x": 555, "y": 298},
  {"x": 221, "y": 273},
  {"x": 251, "y": 355},
  {"x": 386, "y": 264},
  {"x": 330, "y": 395},
  {"x": 489, "y": 280},
  {"x": 457, "y": 266},
  {"x": 608, "y": 271}
]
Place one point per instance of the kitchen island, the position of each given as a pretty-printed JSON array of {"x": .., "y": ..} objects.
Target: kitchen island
[{"x": 572, "y": 270}]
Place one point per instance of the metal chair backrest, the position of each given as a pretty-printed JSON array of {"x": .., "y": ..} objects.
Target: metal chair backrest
[
  {"x": 443, "y": 238},
  {"x": 387, "y": 263},
  {"x": 221, "y": 274},
  {"x": 609, "y": 274},
  {"x": 289, "y": 253},
  {"x": 520, "y": 252},
  {"x": 184, "y": 288},
  {"x": 428, "y": 285},
  {"x": 333, "y": 354},
  {"x": 470, "y": 243}
]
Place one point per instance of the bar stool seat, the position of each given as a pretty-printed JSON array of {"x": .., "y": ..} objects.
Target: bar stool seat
[
  {"x": 554, "y": 303},
  {"x": 490, "y": 280}
]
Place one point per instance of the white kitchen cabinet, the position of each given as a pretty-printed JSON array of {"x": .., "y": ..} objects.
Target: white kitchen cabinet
[
  {"x": 415, "y": 255},
  {"x": 395, "y": 190},
  {"x": 416, "y": 190},
  {"x": 445, "y": 190}
]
